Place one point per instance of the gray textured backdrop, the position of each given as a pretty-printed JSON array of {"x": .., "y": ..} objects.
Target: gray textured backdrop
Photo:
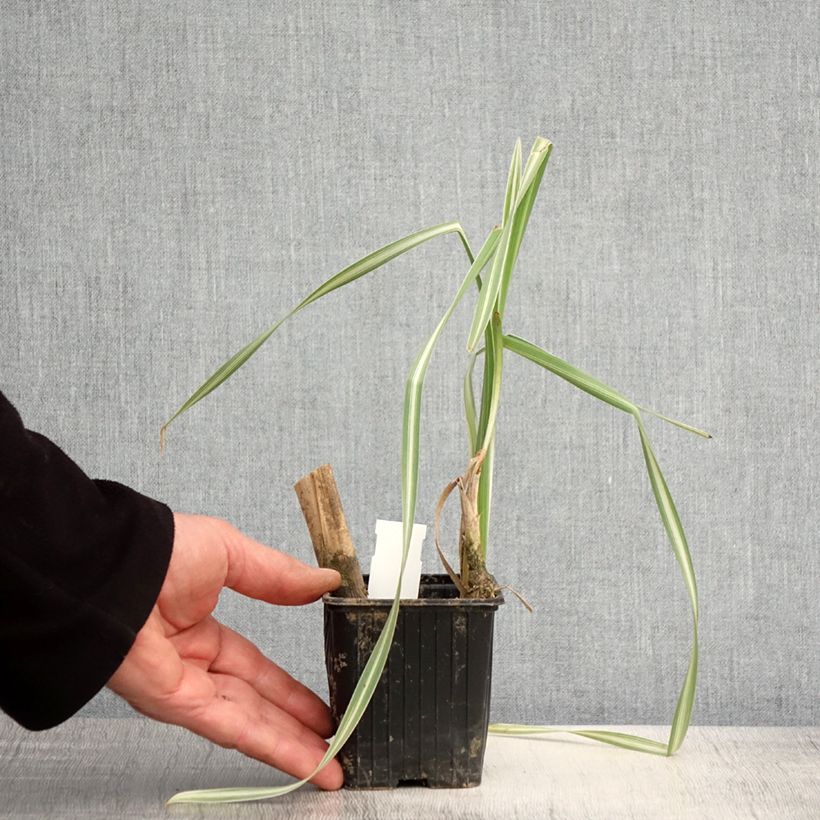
[{"x": 175, "y": 176}]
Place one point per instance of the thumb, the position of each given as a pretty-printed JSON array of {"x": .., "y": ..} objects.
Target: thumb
[{"x": 269, "y": 575}]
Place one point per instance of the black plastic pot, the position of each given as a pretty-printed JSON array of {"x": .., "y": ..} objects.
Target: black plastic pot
[{"x": 427, "y": 721}]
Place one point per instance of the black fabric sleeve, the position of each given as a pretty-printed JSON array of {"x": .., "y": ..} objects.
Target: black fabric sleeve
[{"x": 81, "y": 566}]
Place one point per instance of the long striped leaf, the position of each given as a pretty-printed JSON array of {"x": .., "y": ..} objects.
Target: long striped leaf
[
  {"x": 484, "y": 436},
  {"x": 485, "y": 496},
  {"x": 625, "y": 741},
  {"x": 413, "y": 389},
  {"x": 570, "y": 373},
  {"x": 513, "y": 183},
  {"x": 501, "y": 249},
  {"x": 349, "y": 274},
  {"x": 490, "y": 347},
  {"x": 493, "y": 347},
  {"x": 469, "y": 403},
  {"x": 496, "y": 341},
  {"x": 366, "y": 684},
  {"x": 675, "y": 533}
]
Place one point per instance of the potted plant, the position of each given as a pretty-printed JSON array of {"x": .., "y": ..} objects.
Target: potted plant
[{"x": 473, "y": 588}]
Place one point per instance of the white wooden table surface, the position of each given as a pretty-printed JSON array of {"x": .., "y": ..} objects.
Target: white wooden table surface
[{"x": 91, "y": 767}]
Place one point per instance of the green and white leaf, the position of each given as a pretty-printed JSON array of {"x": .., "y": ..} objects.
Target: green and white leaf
[
  {"x": 366, "y": 684},
  {"x": 469, "y": 403},
  {"x": 500, "y": 251},
  {"x": 674, "y": 530},
  {"x": 349, "y": 274},
  {"x": 485, "y": 496}
]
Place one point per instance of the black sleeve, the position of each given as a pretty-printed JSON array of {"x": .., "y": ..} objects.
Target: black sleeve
[{"x": 81, "y": 566}]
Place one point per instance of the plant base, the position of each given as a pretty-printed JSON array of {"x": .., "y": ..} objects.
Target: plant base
[{"x": 427, "y": 722}]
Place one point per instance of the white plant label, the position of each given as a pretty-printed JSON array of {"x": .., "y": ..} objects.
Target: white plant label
[{"x": 386, "y": 563}]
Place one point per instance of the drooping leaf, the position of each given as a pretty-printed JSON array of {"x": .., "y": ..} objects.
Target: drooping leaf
[
  {"x": 501, "y": 249},
  {"x": 349, "y": 274},
  {"x": 675, "y": 533},
  {"x": 625, "y": 741},
  {"x": 366, "y": 684},
  {"x": 568, "y": 372}
]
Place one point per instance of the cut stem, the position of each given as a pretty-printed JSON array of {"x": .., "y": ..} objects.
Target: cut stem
[{"x": 326, "y": 522}]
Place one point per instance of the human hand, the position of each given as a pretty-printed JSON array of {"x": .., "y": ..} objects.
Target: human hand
[{"x": 188, "y": 669}]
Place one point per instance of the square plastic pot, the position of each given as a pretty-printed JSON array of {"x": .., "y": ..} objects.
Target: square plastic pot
[{"x": 427, "y": 721}]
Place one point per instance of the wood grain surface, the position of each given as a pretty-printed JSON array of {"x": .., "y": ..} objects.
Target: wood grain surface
[{"x": 128, "y": 767}]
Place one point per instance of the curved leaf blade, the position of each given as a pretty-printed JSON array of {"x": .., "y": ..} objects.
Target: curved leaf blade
[
  {"x": 366, "y": 684},
  {"x": 344, "y": 277},
  {"x": 624, "y": 741},
  {"x": 674, "y": 531},
  {"x": 575, "y": 376}
]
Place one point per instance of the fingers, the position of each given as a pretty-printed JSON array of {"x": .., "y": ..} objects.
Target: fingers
[
  {"x": 214, "y": 647},
  {"x": 239, "y": 657},
  {"x": 160, "y": 681},
  {"x": 239, "y": 718},
  {"x": 268, "y": 575}
]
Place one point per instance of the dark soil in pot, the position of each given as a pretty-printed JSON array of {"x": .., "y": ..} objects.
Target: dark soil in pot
[{"x": 427, "y": 721}]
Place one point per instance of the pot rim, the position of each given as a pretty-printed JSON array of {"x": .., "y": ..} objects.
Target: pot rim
[{"x": 427, "y": 580}]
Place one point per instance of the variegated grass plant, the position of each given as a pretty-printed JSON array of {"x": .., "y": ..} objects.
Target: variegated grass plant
[{"x": 495, "y": 262}]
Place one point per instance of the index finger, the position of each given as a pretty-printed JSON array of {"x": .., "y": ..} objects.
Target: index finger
[{"x": 269, "y": 575}]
